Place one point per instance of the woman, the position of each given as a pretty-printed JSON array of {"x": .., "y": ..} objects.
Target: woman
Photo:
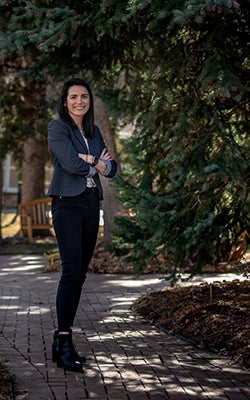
[{"x": 79, "y": 156}]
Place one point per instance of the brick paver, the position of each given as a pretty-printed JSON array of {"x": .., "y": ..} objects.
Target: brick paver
[{"x": 128, "y": 359}]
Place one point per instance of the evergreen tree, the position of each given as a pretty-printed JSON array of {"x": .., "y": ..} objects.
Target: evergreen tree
[
  {"x": 188, "y": 190},
  {"x": 184, "y": 67}
]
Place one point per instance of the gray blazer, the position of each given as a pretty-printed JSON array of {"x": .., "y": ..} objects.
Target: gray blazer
[{"x": 70, "y": 171}]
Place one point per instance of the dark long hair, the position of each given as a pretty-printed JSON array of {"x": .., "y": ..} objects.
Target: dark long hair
[{"x": 88, "y": 118}]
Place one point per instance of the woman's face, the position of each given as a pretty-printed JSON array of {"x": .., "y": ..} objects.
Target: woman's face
[{"x": 77, "y": 102}]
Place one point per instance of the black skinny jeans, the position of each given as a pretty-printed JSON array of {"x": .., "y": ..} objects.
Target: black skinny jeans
[{"x": 76, "y": 223}]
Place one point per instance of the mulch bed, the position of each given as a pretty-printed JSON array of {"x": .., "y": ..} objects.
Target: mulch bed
[
  {"x": 212, "y": 316},
  {"x": 5, "y": 379}
]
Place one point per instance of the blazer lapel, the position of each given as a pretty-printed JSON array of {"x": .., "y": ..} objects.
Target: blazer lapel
[
  {"x": 77, "y": 136},
  {"x": 92, "y": 147}
]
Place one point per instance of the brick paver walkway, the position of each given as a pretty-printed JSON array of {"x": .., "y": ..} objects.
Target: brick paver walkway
[{"x": 128, "y": 359}]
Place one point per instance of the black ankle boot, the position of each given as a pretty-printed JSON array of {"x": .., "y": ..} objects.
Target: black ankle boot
[
  {"x": 81, "y": 359},
  {"x": 65, "y": 358}
]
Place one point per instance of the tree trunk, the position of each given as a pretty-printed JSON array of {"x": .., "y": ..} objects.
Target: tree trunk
[
  {"x": 111, "y": 204},
  {"x": 33, "y": 170},
  {"x": 35, "y": 147}
]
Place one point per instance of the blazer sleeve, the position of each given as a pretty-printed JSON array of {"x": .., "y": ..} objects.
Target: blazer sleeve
[
  {"x": 111, "y": 164},
  {"x": 62, "y": 150}
]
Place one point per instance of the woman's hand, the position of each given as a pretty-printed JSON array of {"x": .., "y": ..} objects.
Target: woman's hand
[
  {"x": 88, "y": 158},
  {"x": 105, "y": 155}
]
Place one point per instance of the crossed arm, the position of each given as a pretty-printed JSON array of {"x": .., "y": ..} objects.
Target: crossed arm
[{"x": 101, "y": 165}]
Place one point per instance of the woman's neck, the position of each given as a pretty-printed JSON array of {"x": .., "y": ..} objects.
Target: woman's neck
[{"x": 78, "y": 122}]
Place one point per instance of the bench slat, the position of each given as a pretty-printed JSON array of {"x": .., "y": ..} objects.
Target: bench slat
[{"x": 35, "y": 214}]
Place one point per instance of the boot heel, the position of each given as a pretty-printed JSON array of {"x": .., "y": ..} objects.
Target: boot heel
[
  {"x": 65, "y": 357},
  {"x": 59, "y": 364}
]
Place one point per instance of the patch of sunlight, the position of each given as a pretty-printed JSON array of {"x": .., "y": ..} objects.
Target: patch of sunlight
[
  {"x": 23, "y": 268},
  {"x": 35, "y": 311},
  {"x": 124, "y": 300},
  {"x": 134, "y": 283},
  {"x": 210, "y": 278},
  {"x": 9, "y": 308},
  {"x": 93, "y": 338}
]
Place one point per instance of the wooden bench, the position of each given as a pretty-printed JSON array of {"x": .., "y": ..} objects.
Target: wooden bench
[{"x": 35, "y": 214}]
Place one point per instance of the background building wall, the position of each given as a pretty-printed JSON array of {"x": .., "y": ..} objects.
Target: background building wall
[{"x": 12, "y": 185}]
